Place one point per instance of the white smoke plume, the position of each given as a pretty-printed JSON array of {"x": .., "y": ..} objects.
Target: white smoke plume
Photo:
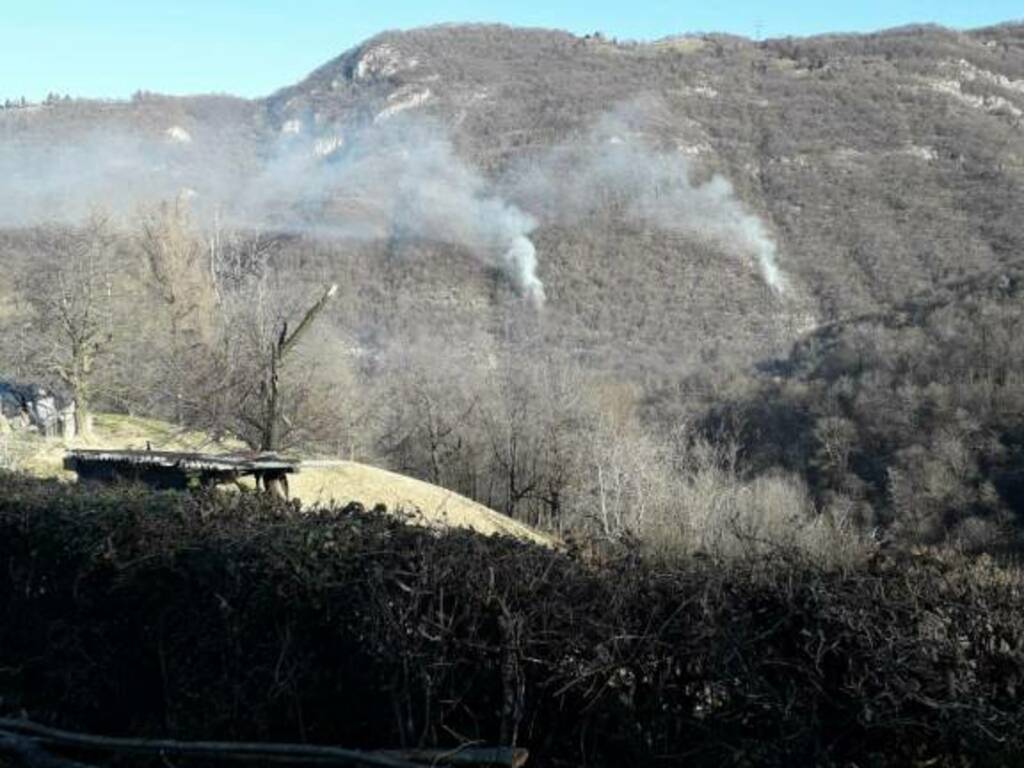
[
  {"x": 405, "y": 178},
  {"x": 614, "y": 169},
  {"x": 401, "y": 179}
]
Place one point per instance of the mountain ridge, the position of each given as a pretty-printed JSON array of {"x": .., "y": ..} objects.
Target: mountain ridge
[
  {"x": 881, "y": 164},
  {"x": 792, "y": 268}
]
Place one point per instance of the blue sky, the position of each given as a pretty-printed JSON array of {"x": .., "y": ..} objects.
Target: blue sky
[{"x": 110, "y": 48}]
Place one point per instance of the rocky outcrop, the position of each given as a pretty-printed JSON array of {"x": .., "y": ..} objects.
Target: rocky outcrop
[{"x": 31, "y": 406}]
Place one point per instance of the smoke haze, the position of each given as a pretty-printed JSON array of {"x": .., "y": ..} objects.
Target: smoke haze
[
  {"x": 399, "y": 179},
  {"x": 614, "y": 168}
]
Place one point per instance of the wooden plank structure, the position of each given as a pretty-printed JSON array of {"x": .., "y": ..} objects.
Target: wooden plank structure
[{"x": 177, "y": 470}]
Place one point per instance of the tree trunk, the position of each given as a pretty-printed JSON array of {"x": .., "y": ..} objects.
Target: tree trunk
[
  {"x": 278, "y": 353},
  {"x": 80, "y": 396},
  {"x": 268, "y": 441}
]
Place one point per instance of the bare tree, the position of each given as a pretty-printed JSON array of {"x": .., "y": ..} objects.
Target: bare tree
[
  {"x": 430, "y": 416},
  {"x": 71, "y": 293},
  {"x": 259, "y": 387},
  {"x": 537, "y": 423},
  {"x": 180, "y": 277},
  {"x": 276, "y": 357}
]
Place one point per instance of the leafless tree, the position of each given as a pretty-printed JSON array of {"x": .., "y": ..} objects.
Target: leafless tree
[
  {"x": 179, "y": 277},
  {"x": 276, "y": 356},
  {"x": 72, "y": 294},
  {"x": 262, "y": 382}
]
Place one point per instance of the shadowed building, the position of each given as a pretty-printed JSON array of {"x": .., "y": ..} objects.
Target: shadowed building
[{"x": 175, "y": 470}]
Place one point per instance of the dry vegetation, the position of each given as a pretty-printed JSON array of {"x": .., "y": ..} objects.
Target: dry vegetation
[
  {"x": 320, "y": 482},
  {"x": 784, "y": 510},
  {"x": 883, "y": 393},
  {"x": 239, "y": 617},
  {"x": 344, "y": 482}
]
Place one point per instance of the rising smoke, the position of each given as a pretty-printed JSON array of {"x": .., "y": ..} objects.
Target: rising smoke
[
  {"x": 615, "y": 168},
  {"x": 43, "y": 179},
  {"x": 399, "y": 179},
  {"x": 402, "y": 179}
]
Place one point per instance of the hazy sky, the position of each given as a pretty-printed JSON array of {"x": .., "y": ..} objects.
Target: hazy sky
[{"x": 110, "y": 48}]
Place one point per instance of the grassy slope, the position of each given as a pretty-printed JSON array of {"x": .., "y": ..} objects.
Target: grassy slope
[
  {"x": 343, "y": 481},
  {"x": 317, "y": 482},
  {"x": 44, "y": 457}
]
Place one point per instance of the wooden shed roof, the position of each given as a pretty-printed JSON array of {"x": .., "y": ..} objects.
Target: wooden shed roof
[{"x": 238, "y": 463}]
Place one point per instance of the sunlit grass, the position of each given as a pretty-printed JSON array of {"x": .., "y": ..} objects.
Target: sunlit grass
[{"x": 318, "y": 482}]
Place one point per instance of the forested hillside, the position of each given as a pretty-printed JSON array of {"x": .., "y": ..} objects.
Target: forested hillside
[{"x": 627, "y": 288}]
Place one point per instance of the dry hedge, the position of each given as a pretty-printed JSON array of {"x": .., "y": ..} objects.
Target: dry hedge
[{"x": 239, "y": 617}]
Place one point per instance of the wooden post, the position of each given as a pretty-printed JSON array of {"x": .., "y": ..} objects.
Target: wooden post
[{"x": 276, "y": 484}]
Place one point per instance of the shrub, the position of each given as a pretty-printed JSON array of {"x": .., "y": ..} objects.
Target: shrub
[{"x": 237, "y": 616}]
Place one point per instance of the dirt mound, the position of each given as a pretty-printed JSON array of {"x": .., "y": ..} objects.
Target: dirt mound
[{"x": 321, "y": 482}]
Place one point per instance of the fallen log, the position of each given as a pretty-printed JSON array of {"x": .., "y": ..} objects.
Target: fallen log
[
  {"x": 27, "y": 752},
  {"x": 25, "y": 740},
  {"x": 470, "y": 756}
]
